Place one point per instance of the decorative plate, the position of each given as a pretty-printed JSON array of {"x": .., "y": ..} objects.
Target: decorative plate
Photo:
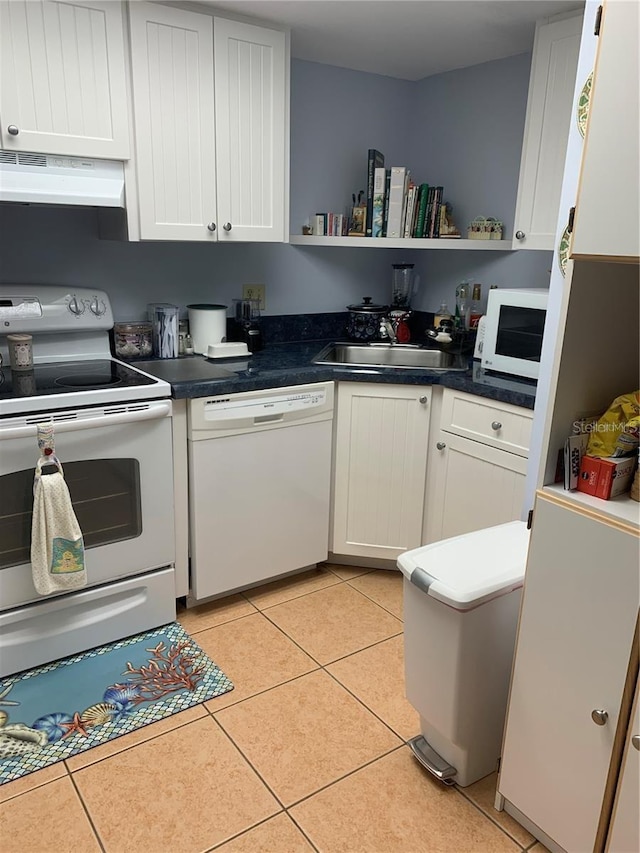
[
  {"x": 583, "y": 105},
  {"x": 563, "y": 251}
]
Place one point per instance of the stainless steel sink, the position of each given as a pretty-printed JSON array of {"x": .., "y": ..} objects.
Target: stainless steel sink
[{"x": 389, "y": 355}]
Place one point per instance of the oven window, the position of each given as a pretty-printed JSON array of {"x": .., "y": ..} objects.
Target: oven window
[
  {"x": 106, "y": 499},
  {"x": 520, "y": 332}
]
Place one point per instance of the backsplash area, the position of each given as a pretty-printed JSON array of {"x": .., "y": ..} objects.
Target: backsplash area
[{"x": 62, "y": 246}]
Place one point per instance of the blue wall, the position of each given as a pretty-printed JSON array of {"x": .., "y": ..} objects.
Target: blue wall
[{"x": 462, "y": 129}]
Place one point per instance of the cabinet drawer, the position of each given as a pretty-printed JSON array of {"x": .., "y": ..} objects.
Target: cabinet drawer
[{"x": 496, "y": 424}]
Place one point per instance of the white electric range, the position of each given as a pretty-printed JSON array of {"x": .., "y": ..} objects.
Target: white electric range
[{"x": 112, "y": 430}]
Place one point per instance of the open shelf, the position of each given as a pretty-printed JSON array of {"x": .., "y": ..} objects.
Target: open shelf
[
  {"x": 402, "y": 243},
  {"x": 622, "y": 509}
]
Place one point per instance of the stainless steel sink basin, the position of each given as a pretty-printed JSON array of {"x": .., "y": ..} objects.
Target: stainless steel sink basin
[{"x": 388, "y": 355}]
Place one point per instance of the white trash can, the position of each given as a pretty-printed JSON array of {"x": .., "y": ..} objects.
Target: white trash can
[{"x": 461, "y": 605}]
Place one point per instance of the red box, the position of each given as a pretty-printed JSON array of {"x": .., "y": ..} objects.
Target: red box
[{"x": 605, "y": 478}]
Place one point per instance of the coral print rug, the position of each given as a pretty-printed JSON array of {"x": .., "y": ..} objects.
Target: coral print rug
[{"x": 66, "y": 707}]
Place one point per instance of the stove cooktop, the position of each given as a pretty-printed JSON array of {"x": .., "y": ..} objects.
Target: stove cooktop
[{"x": 69, "y": 384}]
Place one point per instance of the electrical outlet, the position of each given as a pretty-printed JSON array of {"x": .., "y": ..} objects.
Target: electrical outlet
[{"x": 254, "y": 291}]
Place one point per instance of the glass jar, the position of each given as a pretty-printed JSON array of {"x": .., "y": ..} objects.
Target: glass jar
[{"x": 133, "y": 340}]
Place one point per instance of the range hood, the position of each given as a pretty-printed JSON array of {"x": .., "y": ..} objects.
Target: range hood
[{"x": 54, "y": 179}]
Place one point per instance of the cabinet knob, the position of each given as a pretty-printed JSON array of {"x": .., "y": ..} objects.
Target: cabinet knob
[
  {"x": 211, "y": 226},
  {"x": 424, "y": 399},
  {"x": 635, "y": 741},
  {"x": 520, "y": 235},
  {"x": 496, "y": 425},
  {"x": 441, "y": 445},
  {"x": 227, "y": 226},
  {"x": 13, "y": 130},
  {"x": 599, "y": 717}
]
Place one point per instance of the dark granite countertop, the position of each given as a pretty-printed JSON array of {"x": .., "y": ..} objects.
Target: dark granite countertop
[{"x": 283, "y": 364}]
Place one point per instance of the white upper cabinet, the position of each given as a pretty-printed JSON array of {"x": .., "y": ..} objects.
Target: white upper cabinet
[
  {"x": 551, "y": 85},
  {"x": 250, "y": 86},
  {"x": 211, "y": 112},
  {"x": 62, "y": 82},
  {"x": 173, "y": 102},
  {"x": 607, "y": 221}
]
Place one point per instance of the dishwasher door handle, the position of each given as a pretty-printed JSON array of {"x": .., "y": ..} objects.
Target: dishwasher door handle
[{"x": 268, "y": 419}]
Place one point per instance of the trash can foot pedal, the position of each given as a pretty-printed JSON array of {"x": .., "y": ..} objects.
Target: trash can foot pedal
[{"x": 434, "y": 763}]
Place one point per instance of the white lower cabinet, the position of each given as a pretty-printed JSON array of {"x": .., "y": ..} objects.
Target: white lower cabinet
[
  {"x": 473, "y": 486},
  {"x": 576, "y": 632},
  {"x": 477, "y": 464},
  {"x": 381, "y": 438}
]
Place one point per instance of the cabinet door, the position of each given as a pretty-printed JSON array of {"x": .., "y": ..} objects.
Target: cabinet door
[
  {"x": 577, "y": 621},
  {"x": 611, "y": 166},
  {"x": 380, "y": 469},
  {"x": 62, "y": 75},
  {"x": 172, "y": 71},
  {"x": 553, "y": 73},
  {"x": 472, "y": 486},
  {"x": 624, "y": 835},
  {"x": 251, "y": 138}
]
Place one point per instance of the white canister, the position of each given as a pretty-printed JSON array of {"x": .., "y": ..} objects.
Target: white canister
[{"x": 207, "y": 325}]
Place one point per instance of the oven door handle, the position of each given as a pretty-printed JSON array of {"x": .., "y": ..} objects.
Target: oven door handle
[{"x": 151, "y": 411}]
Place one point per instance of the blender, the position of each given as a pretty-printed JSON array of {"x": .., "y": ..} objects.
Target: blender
[{"x": 403, "y": 287}]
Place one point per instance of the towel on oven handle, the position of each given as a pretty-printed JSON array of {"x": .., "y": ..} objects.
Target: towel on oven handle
[{"x": 57, "y": 547}]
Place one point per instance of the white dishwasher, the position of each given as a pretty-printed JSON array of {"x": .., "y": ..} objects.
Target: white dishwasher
[{"x": 259, "y": 485}]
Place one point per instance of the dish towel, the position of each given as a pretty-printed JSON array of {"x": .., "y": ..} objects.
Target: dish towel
[{"x": 57, "y": 548}]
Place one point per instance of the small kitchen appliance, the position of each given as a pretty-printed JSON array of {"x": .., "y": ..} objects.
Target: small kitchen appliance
[
  {"x": 403, "y": 285},
  {"x": 207, "y": 325},
  {"x": 111, "y": 424},
  {"x": 363, "y": 322},
  {"x": 248, "y": 327},
  {"x": 514, "y": 330}
]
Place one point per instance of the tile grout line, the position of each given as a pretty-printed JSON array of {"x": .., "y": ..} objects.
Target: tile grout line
[
  {"x": 35, "y": 787},
  {"x": 491, "y": 819},
  {"x": 86, "y": 810},
  {"x": 374, "y": 600},
  {"x": 257, "y": 773}
]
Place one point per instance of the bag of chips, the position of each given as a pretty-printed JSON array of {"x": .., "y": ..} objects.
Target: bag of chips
[{"x": 617, "y": 432}]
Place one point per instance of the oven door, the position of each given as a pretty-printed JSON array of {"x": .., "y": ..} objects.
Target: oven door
[{"x": 117, "y": 465}]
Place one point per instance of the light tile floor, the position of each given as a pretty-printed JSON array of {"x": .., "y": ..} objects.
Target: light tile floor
[{"x": 306, "y": 753}]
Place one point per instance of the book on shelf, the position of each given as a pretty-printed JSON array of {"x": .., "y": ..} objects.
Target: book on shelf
[
  {"x": 330, "y": 224},
  {"x": 410, "y": 206},
  {"x": 375, "y": 160},
  {"x": 396, "y": 200},
  {"x": 434, "y": 211},
  {"x": 423, "y": 191},
  {"x": 387, "y": 185},
  {"x": 379, "y": 190},
  {"x": 320, "y": 224}
]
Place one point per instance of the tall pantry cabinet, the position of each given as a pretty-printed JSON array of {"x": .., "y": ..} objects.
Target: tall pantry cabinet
[
  {"x": 210, "y": 100},
  {"x": 569, "y": 730}
]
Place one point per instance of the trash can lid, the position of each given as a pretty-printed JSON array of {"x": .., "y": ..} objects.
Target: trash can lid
[{"x": 468, "y": 570}]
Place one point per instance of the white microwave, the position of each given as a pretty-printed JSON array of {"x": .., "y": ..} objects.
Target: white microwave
[{"x": 513, "y": 330}]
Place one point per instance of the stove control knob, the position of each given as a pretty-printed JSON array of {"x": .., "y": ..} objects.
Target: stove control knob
[
  {"x": 97, "y": 307},
  {"x": 76, "y": 307}
]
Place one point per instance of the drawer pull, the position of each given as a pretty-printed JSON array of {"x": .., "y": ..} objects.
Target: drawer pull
[
  {"x": 423, "y": 400},
  {"x": 599, "y": 717},
  {"x": 635, "y": 741},
  {"x": 441, "y": 445},
  {"x": 496, "y": 425}
]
